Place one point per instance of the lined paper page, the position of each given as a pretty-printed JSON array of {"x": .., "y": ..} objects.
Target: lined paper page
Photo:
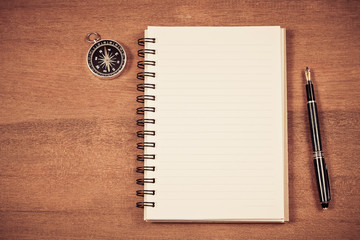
[{"x": 219, "y": 124}]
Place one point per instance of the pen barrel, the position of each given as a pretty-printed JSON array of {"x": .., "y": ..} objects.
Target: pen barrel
[
  {"x": 322, "y": 178},
  {"x": 314, "y": 126},
  {"x": 310, "y": 91}
]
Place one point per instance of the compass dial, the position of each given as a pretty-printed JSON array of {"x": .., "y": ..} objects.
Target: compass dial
[{"x": 106, "y": 59}]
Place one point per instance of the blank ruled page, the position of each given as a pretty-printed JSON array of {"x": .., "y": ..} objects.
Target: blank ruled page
[{"x": 219, "y": 124}]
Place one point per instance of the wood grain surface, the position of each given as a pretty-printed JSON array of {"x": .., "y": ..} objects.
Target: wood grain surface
[{"x": 68, "y": 142}]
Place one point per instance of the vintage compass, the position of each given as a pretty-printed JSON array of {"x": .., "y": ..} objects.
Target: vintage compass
[{"x": 106, "y": 58}]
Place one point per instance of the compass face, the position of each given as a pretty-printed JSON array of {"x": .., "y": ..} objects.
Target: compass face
[{"x": 106, "y": 59}]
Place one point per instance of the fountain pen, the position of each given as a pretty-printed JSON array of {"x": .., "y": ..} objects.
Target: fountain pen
[{"x": 321, "y": 171}]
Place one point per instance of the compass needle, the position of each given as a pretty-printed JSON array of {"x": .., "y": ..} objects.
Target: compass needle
[{"x": 107, "y": 59}]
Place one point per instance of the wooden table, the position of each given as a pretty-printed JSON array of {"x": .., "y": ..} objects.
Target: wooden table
[{"x": 67, "y": 139}]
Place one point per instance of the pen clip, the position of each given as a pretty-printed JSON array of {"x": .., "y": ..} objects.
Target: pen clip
[{"x": 328, "y": 189}]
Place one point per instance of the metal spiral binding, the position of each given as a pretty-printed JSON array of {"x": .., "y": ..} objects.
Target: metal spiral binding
[
  {"x": 143, "y": 98},
  {"x": 141, "y": 87},
  {"x": 145, "y": 204},
  {"x": 145, "y": 168},
  {"x": 142, "y": 41},
  {"x": 142, "y": 52},
  {"x": 142, "y": 157},
  {"x": 141, "y": 75},
  {"x": 144, "y": 121},
  {"x": 142, "y": 64},
  {"x": 141, "y": 134},
  {"x": 142, "y": 110},
  {"x": 145, "y": 192}
]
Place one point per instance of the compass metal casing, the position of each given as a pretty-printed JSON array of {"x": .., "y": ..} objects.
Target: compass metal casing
[{"x": 106, "y": 59}]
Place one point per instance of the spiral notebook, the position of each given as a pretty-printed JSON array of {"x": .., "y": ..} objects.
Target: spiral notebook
[{"x": 215, "y": 124}]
